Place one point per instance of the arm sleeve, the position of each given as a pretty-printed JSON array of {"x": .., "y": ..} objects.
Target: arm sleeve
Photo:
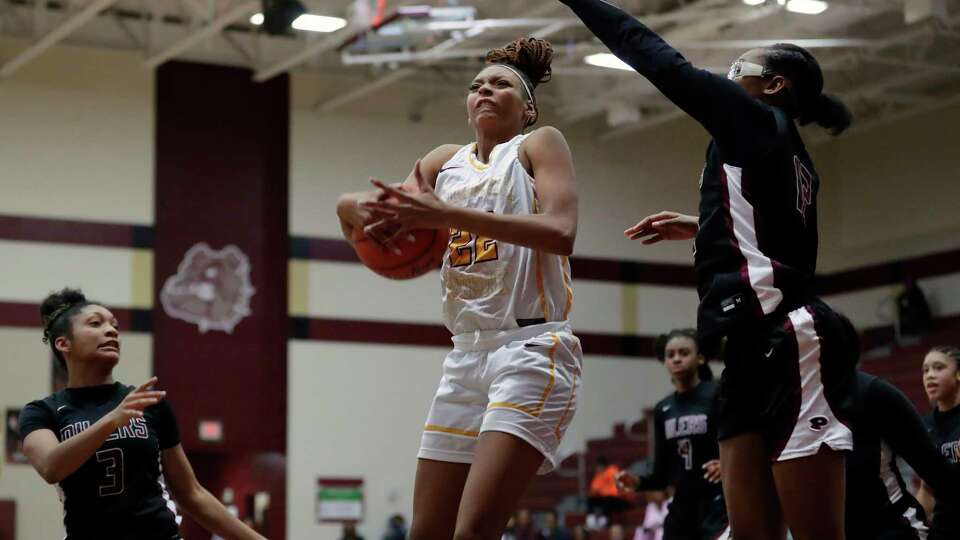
[
  {"x": 901, "y": 427},
  {"x": 742, "y": 127},
  {"x": 657, "y": 480},
  {"x": 35, "y": 416},
  {"x": 168, "y": 434}
]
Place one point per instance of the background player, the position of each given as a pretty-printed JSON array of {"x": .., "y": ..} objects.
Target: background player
[
  {"x": 686, "y": 454},
  {"x": 941, "y": 380},
  {"x": 112, "y": 449}
]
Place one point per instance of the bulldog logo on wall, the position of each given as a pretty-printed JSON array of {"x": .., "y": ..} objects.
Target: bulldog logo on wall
[{"x": 210, "y": 289}]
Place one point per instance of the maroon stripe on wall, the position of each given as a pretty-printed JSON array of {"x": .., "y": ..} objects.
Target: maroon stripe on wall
[
  {"x": 590, "y": 268},
  {"x": 891, "y": 273},
  {"x": 24, "y": 315},
  {"x": 435, "y": 335},
  {"x": 74, "y": 232}
]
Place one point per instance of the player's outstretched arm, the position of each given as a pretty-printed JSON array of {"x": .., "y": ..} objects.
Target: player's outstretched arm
[
  {"x": 199, "y": 503},
  {"x": 664, "y": 225}
]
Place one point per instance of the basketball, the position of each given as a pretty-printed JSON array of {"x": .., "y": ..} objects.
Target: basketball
[{"x": 423, "y": 254}]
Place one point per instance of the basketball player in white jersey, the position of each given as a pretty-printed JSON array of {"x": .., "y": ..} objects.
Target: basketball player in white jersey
[{"x": 510, "y": 386}]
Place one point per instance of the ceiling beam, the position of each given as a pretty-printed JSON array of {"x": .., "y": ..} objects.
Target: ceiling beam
[
  {"x": 56, "y": 35},
  {"x": 232, "y": 15}
]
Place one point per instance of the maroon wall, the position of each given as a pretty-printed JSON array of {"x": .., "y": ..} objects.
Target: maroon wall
[
  {"x": 221, "y": 179},
  {"x": 8, "y": 520}
]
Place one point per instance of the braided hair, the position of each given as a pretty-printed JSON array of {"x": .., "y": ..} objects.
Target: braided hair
[
  {"x": 660, "y": 349},
  {"x": 56, "y": 313},
  {"x": 807, "y": 101},
  {"x": 950, "y": 352},
  {"x": 529, "y": 58}
]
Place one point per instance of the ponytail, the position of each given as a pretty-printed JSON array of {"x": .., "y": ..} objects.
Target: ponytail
[{"x": 807, "y": 103}]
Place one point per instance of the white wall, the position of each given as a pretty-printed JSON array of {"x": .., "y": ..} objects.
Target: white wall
[{"x": 76, "y": 136}]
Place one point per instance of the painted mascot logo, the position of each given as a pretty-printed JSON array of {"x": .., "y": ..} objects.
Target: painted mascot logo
[{"x": 210, "y": 289}]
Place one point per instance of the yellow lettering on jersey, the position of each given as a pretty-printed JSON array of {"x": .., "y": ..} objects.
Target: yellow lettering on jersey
[{"x": 466, "y": 249}]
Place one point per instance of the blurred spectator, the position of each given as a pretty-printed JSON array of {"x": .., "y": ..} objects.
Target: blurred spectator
[
  {"x": 524, "y": 528},
  {"x": 551, "y": 528},
  {"x": 350, "y": 532},
  {"x": 617, "y": 532},
  {"x": 396, "y": 528},
  {"x": 913, "y": 312},
  {"x": 653, "y": 517},
  {"x": 508, "y": 531},
  {"x": 604, "y": 497},
  {"x": 580, "y": 533}
]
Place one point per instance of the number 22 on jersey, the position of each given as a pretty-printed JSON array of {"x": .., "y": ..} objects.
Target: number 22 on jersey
[{"x": 467, "y": 248}]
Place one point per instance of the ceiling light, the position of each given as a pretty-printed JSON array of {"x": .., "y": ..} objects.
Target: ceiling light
[
  {"x": 808, "y": 7},
  {"x": 754, "y": 2},
  {"x": 607, "y": 60},
  {"x": 310, "y": 23},
  {"x": 319, "y": 23},
  {"x": 279, "y": 14}
]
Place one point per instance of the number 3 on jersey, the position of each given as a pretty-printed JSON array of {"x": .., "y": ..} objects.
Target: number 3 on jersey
[
  {"x": 467, "y": 248},
  {"x": 112, "y": 459}
]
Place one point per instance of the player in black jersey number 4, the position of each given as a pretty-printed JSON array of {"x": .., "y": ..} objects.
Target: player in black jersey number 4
[
  {"x": 789, "y": 363},
  {"x": 685, "y": 451},
  {"x": 113, "y": 449}
]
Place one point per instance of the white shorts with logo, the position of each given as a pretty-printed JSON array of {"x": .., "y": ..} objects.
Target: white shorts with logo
[{"x": 523, "y": 382}]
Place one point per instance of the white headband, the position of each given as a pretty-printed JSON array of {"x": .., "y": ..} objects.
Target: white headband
[{"x": 523, "y": 80}]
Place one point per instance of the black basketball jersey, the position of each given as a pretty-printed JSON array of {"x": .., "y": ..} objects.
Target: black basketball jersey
[
  {"x": 685, "y": 437},
  {"x": 887, "y": 426},
  {"x": 944, "y": 430},
  {"x": 119, "y": 493},
  {"x": 756, "y": 249}
]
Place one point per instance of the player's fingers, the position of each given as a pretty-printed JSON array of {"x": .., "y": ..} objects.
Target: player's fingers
[
  {"x": 394, "y": 192},
  {"x": 140, "y": 404},
  {"x": 150, "y": 382},
  {"x": 652, "y": 240}
]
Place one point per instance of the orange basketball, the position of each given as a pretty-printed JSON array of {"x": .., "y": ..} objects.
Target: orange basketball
[{"x": 416, "y": 258}]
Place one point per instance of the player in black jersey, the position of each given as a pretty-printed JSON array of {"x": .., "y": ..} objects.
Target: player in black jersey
[
  {"x": 887, "y": 426},
  {"x": 941, "y": 380},
  {"x": 113, "y": 449},
  {"x": 789, "y": 363},
  {"x": 685, "y": 450}
]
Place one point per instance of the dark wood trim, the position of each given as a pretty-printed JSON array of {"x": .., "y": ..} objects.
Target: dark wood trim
[{"x": 64, "y": 231}]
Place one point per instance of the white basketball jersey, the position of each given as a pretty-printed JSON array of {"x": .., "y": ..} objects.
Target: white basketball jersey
[{"x": 489, "y": 284}]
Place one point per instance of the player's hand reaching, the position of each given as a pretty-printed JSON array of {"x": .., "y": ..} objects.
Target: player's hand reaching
[
  {"x": 627, "y": 482},
  {"x": 663, "y": 226},
  {"x": 136, "y": 401},
  {"x": 408, "y": 210},
  {"x": 712, "y": 471}
]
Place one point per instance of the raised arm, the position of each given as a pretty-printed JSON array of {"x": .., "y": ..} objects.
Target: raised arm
[{"x": 741, "y": 125}]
